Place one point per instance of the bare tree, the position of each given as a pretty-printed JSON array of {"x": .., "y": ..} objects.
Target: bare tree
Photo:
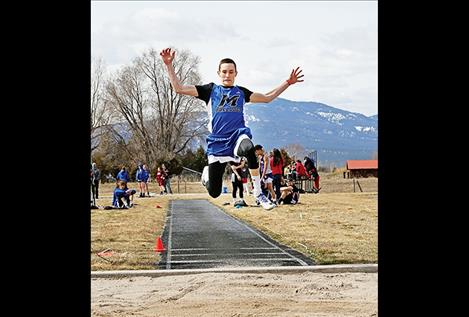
[
  {"x": 162, "y": 123},
  {"x": 295, "y": 150},
  {"x": 177, "y": 117},
  {"x": 99, "y": 106}
]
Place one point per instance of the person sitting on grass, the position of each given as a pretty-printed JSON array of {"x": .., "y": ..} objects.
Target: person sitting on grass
[
  {"x": 123, "y": 197},
  {"x": 290, "y": 194}
]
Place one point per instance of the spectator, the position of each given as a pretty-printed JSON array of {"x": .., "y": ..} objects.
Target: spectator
[
  {"x": 160, "y": 178},
  {"x": 96, "y": 177},
  {"x": 293, "y": 170},
  {"x": 287, "y": 172},
  {"x": 301, "y": 172},
  {"x": 123, "y": 175},
  {"x": 122, "y": 197},
  {"x": 265, "y": 171},
  {"x": 138, "y": 178},
  {"x": 313, "y": 172},
  {"x": 93, "y": 200},
  {"x": 245, "y": 178},
  {"x": 145, "y": 176},
  {"x": 276, "y": 164},
  {"x": 110, "y": 178},
  {"x": 167, "y": 180},
  {"x": 236, "y": 180},
  {"x": 290, "y": 193}
]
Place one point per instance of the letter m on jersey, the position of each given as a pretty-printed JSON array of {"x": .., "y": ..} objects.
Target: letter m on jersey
[{"x": 227, "y": 100}]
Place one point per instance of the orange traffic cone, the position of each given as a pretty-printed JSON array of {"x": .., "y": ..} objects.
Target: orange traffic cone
[{"x": 159, "y": 247}]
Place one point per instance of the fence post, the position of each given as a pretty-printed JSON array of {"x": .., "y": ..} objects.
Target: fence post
[
  {"x": 359, "y": 186},
  {"x": 354, "y": 185}
]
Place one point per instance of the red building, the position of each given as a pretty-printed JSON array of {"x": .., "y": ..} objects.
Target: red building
[{"x": 361, "y": 168}]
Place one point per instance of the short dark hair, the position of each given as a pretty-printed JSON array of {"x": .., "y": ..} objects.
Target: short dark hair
[
  {"x": 227, "y": 61},
  {"x": 258, "y": 147}
]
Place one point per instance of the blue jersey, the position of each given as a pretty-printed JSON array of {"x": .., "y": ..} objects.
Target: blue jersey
[
  {"x": 123, "y": 175},
  {"x": 144, "y": 175},
  {"x": 118, "y": 193},
  {"x": 226, "y": 116},
  {"x": 138, "y": 176}
]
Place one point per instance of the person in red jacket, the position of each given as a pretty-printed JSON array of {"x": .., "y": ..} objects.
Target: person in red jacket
[
  {"x": 276, "y": 165},
  {"x": 160, "y": 178},
  {"x": 301, "y": 172}
]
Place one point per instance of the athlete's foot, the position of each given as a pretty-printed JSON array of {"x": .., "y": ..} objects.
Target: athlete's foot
[
  {"x": 204, "y": 178},
  {"x": 264, "y": 202}
]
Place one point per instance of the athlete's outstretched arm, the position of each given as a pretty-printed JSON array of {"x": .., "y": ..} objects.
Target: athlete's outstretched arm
[
  {"x": 271, "y": 95},
  {"x": 168, "y": 56}
]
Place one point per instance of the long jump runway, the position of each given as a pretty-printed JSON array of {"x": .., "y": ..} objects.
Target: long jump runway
[{"x": 198, "y": 234}]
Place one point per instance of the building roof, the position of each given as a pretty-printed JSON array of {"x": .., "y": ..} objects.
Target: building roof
[{"x": 362, "y": 164}]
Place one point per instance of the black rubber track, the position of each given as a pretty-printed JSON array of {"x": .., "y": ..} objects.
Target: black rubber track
[{"x": 198, "y": 234}]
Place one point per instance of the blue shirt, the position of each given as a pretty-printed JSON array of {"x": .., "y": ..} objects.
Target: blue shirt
[
  {"x": 123, "y": 175},
  {"x": 138, "y": 176},
  {"x": 144, "y": 175},
  {"x": 225, "y": 107},
  {"x": 118, "y": 193}
]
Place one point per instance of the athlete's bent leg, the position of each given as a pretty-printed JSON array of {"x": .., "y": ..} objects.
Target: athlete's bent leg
[
  {"x": 215, "y": 178},
  {"x": 246, "y": 149}
]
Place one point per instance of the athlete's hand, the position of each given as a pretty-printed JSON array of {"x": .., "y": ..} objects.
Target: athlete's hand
[
  {"x": 167, "y": 55},
  {"x": 295, "y": 76}
]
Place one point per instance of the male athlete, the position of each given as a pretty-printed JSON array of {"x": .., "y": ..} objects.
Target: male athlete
[{"x": 229, "y": 138}]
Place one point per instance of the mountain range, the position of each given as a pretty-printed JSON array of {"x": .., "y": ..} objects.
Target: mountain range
[{"x": 337, "y": 135}]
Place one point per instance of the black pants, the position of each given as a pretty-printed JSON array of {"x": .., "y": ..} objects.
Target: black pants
[
  {"x": 276, "y": 184},
  {"x": 215, "y": 178},
  {"x": 95, "y": 187},
  {"x": 237, "y": 184}
]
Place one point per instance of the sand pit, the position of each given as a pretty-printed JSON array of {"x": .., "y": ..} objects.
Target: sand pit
[{"x": 237, "y": 294}]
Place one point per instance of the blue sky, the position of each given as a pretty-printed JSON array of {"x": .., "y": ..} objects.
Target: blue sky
[{"x": 335, "y": 43}]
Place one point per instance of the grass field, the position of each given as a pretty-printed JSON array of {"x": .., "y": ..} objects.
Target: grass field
[{"x": 335, "y": 226}]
